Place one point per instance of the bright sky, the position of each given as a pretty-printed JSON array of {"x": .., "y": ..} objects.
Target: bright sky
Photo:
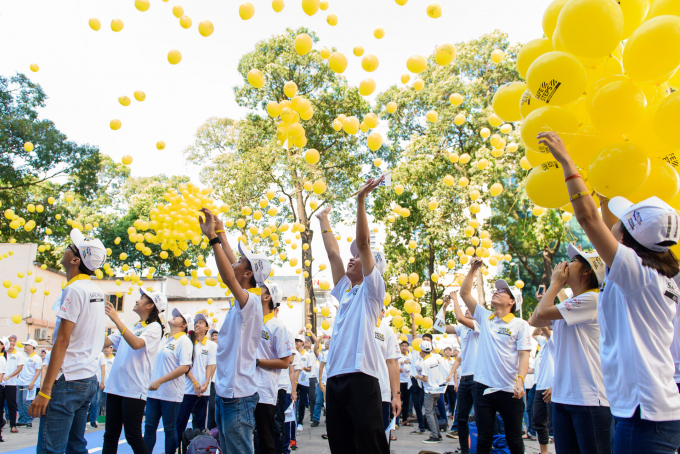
[{"x": 84, "y": 72}]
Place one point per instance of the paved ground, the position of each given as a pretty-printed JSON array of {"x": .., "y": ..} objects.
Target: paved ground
[{"x": 309, "y": 442}]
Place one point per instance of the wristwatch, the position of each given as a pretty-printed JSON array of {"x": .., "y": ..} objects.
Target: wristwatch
[
  {"x": 215, "y": 241},
  {"x": 257, "y": 363}
]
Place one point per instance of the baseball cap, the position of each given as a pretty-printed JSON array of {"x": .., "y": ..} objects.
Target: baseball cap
[
  {"x": 32, "y": 343},
  {"x": 379, "y": 259},
  {"x": 514, "y": 291},
  {"x": 596, "y": 262},
  {"x": 187, "y": 318},
  {"x": 426, "y": 346},
  {"x": 92, "y": 251},
  {"x": 651, "y": 222},
  {"x": 158, "y": 298},
  {"x": 200, "y": 316},
  {"x": 258, "y": 262},
  {"x": 275, "y": 292},
  {"x": 12, "y": 336},
  {"x": 5, "y": 342},
  {"x": 299, "y": 338},
  {"x": 213, "y": 331}
]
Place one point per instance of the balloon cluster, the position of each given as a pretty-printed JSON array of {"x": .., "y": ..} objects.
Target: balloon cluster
[{"x": 610, "y": 103}]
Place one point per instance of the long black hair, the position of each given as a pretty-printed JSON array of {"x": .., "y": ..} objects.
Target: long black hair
[
  {"x": 664, "y": 263},
  {"x": 4, "y": 350},
  {"x": 192, "y": 336},
  {"x": 154, "y": 316},
  {"x": 592, "y": 277}
]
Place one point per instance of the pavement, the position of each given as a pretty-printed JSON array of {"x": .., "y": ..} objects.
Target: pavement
[{"x": 309, "y": 441}]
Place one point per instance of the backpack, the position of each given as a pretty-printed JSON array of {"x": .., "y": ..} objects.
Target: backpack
[
  {"x": 187, "y": 438},
  {"x": 499, "y": 445},
  {"x": 203, "y": 444}
]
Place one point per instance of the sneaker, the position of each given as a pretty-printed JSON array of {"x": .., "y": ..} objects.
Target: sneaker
[
  {"x": 453, "y": 434},
  {"x": 314, "y": 423},
  {"x": 29, "y": 425},
  {"x": 418, "y": 432},
  {"x": 324, "y": 436},
  {"x": 93, "y": 424},
  {"x": 293, "y": 445},
  {"x": 299, "y": 427},
  {"x": 432, "y": 439}
]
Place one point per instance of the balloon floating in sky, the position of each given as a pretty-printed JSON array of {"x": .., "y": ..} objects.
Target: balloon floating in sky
[
  {"x": 95, "y": 24},
  {"x": 246, "y": 10},
  {"x": 174, "y": 57},
  {"x": 116, "y": 25},
  {"x": 34, "y": 67}
]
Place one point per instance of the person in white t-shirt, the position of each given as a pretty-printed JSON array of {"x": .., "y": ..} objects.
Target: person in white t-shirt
[
  {"x": 636, "y": 308},
  {"x": 166, "y": 390},
  {"x": 70, "y": 382},
  {"x": 388, "y": 374},
  {"x": 306, "y": 367},
  {"x": 273, "y": 356},
  {"x": 27, "y": 381},
  {"x": 284, "y": 397},
  {"x": 581, "y": 413},
  {"x": 404, "y": 383},
  {"x": 15, "y": 364},
  {"x": 212, "y": 424},
  {"x": 137, "y": 346},
  {"x": 353, "y": 389},
  {"x": 434, "y": 384},
  {"x": 4, "y": 346},
  {"x": 109, "y": 358},
  {"x": 545, "y": 367},
  {"x": 197, "y": 380},
  {"x": 94, "y": 405},
  {"x": 312, "y": 354},
  {"x": 502, "y": 362},
  {"x": 239, "y": 337}
]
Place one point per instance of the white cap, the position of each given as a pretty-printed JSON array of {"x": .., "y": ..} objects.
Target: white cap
[
  {"x": 159, "y": 299},
  {"x": 299, "y": 338},
  {"x": 596, "y": 262},
  {"x": 379, "y": 259},
  {"x": 5, "y": 342},
  {"x": 426, "y": 346},
  {"x": 516, "y": 293},
  {"x": 650, "y": 222},
  {"x": 31, "y": 342},
  {"x": 275, "y": 292},
  {"x": 187, "y": 318},
  {"x": 92, "y": 251},
  {"x": 258, "y": 262}
]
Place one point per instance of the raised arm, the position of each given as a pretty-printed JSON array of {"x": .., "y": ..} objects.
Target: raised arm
[
  {"x": 462, "y": 319},
  {"x": 466, "y": 287},
  {"x": 223, "y": 264},
  {"x": 331, "y": 245},
  {"x": 546, "y": 309},
  {"x": 363, "y": 238},
  {"x": 219, "y": 230},
  {"x": 584, "y": 206}
]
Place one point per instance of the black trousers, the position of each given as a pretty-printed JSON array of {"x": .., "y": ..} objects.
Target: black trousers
[
  {"x": 312, "y": 397},
  {"x": 8, "y": 394},
  {"x": 280, "y": 421},
  {"x": 465, "y": 399},
  {"x": 417, "y": 396},
  {"x": 451, "y": 398},
  {"x": 354, "y": 415},
  {"x": 542, "y": 417},
  {"x": 212, "y": 424},
  {"x": 124, "y": 412},
  {"x": 510, "y": 409},
  {"x": 405, "y": 396},
  {"x": 303, "y": 395},
  {"x": 264, "y": 428}
]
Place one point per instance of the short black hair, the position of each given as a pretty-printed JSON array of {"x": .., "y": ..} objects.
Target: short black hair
[
  {"x": 249, "y": 267},
  {"x": 403, "y": 342},
  {"x": 82, "y": 269},
  {"x": 592, "y": 277},
  {"x": 427, "y": 335}
]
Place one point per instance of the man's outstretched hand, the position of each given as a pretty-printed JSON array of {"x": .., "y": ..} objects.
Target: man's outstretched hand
[{"x": 369, "y": 186}]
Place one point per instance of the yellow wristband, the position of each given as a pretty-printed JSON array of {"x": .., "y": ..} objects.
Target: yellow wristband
[
  {"x": 196, "y": 383},
  {"x": 44, "y": 395},
  {"x": 219, "y": 231},
  {"x": 580, "y": 194},
  {"x": 518, "y": 377},
  {"x": 123, "y": 332},
  {"x": 326, "y": 231}
]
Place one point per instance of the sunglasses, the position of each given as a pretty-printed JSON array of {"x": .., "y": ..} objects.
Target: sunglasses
[
  {"x": 503, "y": 290},
  {"x": 74, "y": 250}
]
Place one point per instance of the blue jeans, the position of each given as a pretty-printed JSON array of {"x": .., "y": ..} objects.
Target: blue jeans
[
  {"x": 94, "y": 406},
  {"x": 441, "y": 409},
  {"x": 635, "y": 435},
  {"x": 529, "y": 411},
  {"x": 192, "y": 404},
  {"x": 156, "y": 408},
  {"x": 581, "y": 429},
  {"x": 316, "y": 414},
  {"x": 417, "y": 396},
  {"x": 235, "y": 419},
  {"x": 62, "y": 428},
  {"x": 22, "y": 405}
]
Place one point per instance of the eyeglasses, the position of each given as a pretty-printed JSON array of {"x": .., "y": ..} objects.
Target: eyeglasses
[
  {"x": 74, "y": 250},
  {"x": 503, "y": 290}
]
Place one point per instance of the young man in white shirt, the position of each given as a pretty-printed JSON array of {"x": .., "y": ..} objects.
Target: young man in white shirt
[
  {"x": 284, "y": 397},
  {"x": 303, "y": 378},
  {"x": 239, "y": 338},
  {"x": 354, "y": 414},
  {"x": 404, "y": 383},
  {"x": 312, "y": 355},
  {"x": 433, "y": 385},
  {"x": 109, "y": 358},
  {"x": 27, "y": 381},
  {"x": 502, "y": 362},
  {"x": 71, "y": 379}
]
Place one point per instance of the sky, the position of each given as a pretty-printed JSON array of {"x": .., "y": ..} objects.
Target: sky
[{"x": 84, "y": 72}]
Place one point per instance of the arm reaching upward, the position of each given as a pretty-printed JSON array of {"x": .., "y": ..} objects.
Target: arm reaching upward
[
  {"x": 466, "y": 287},
  {"x": 363, "y": 239},
  {"x": 459, "y": 313},
  {"x": 219, "y": 230},
  {"x": 331, "y": 245}
]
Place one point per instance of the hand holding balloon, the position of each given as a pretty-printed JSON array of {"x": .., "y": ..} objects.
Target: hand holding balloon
[{"x": 556, "y": 146}]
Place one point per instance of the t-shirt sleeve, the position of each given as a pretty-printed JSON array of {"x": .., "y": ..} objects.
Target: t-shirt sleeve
[
  {"x": 524, "y": 337},
  {"x": 425, "y": 369},
  {"x": 212, "y": 355},
  {"x": 477, "y": 328},
  {"x": 102, "y": 360},
  {"x": 283, "y": 347},
  {"x": 375, "y": 287},
  {"x": 115, "y": 339},
  {"x": 340, "y": 287},
  {"x": 393, "y": 351},
  {"x": 627, "y": 270},
  {"x": 71, "y": 305},
  {"x": 21, "y": 359},
  {"x": 185, "y": 349},
  {"x": 459, "y": 330},
  {"x": 579, "y": 309},
  {"x": 481, "y": 313},
  {"x": 250, "y": 309},
  {"x": 151, "y": 334},
  {"x": 3, "y": 366},
  {"x": 38, "y": 362}
]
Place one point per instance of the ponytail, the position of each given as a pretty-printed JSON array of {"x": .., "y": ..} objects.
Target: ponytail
[
  {"x": 192, "y": 337},
  {"x": 155, "y": 317}
]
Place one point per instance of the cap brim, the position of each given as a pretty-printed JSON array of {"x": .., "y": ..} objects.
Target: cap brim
[
  {"x": 77, "y": 237},
  {"x": 619, "y": 205},
  {"x": 177, "y": 313},
  {"x": 502, "y": 284}
]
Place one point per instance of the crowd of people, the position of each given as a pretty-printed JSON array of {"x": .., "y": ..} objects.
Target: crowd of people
[{"x": 602, "y": 377}]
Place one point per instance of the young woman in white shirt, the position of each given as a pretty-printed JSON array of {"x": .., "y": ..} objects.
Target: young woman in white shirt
[
  {"x": 4, "y": 345},
  {"x": 126, "y": 389},
  {"x": 636, "y": 308},
  {"x": 581, "y": 414},
  {"x": 167, "y": 383}
]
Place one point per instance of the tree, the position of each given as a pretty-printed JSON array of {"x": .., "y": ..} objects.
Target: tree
[{"x": 243, "y": 160}]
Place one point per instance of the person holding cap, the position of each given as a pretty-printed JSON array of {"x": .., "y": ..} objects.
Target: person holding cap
[
  {"x": 197, "y": 381},
  {"x": 581, "y": 414},
  {"x": 26, "y": 381},
  {"x": 434, "y": 384},
  {"x": 15, "y": 364},
  {"x": 273, "y": 356},
  {"x": 239, "y": 337},
  {"x": 126, "y": 389},
  {"x": 166, "y": 390},
  {"x": 636, "y": 308},
  {"x": 354, "y": 413},
  {"x": 502, "y": 362},
  {"x": 70, "y": 381}
]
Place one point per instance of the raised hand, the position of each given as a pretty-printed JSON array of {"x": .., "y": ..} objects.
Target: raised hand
[
  {"x": 207, "y": 226},
  {"x": 369, "y": 186},
  {"x": 324, "y": 213},
  {"x": 555, "y": 144},
  {"x": 476, "y": 263},
  {"x": 560, "y": 275}
]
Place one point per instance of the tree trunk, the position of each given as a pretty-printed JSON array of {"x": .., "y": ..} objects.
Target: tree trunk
[
  {"x": 433, "y": 288},
  {"x": 548, "y": 256}
]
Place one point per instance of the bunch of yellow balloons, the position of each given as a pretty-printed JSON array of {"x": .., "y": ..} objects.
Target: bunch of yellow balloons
[{"x": 610, "y": 103}]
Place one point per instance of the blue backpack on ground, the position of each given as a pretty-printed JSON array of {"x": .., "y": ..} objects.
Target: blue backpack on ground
[
  {"x": 204, "y": 444},
  {"x": 499, "y": 445}
]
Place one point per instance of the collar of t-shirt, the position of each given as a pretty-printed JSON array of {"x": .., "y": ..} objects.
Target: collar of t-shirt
[
  {"x": 507, "y": 319},
  {"x": 204, "y": 341},
  {"x": 32, "y": 355},
  {"x": 111, "y": 356},
  {"x": 178, "y": 335},
  {"x": 267, "y": 317},
  {"x": 143, "y": 323},
  {"x": 80, "y": 277},
  {"x": 427, "y": 356},
  {"x": 254, "y": 291}
]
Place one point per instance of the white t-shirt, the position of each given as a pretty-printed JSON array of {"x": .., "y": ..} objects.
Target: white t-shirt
[
  {"x": 237, "y": 346},
  {"x": 303, "y": 378},
  {"x": 32, "y": 364},
  {"x": 101, "y": 361},
  {"x": 46, "y": 361},
  {"x": 14, "y": 360},
  {"x": 82, "y": 303},
  {"x": 353, "y": 348},
  {"x": 405, "y": 366},
  {"x": 499, "y": 344},
  {"x": 275, "y": 344},
  {"x": 446, "y": 365},
  {"x": 205, "y": 354},
  {"x": 546, "y": 371},
  {"x": 388, "y": 346},
  {"x": 323, "y": 358},
  {"x": 530, "y": 380},
  {"x": 131, "y": 373},
  {"x": 3, "y": 366},
  {"x": 284, "y": 376},
  {"x": 576, "y": 351},
  {"x": 469, "y": 338},
  {"x": 415, "y": 358},
  {"x": 675, "y": 346},
  {"x": 312, "y": 360},
  {"x": 431, "y": 368},
  {"x": 173, "y": 352},
  {"x": 109, "y": 364},
  {"x": 636, "y": 312}
]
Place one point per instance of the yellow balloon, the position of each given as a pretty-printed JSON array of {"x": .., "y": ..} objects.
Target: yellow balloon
[
  {"x": 416, "y": 64},
  {"x": 530, "y": 52},
  {"x": 246, "y": 10},
  {"x": 290, "y": 88},
  {"x": 117, "y": 25},
  {"x": 506, "y": 101},
  {"x": 445, "y": 54},
  {"x": 177, "y": 11},
  {"x": 277, "y": 5},
  {"x": 310, "y": 7},
  {"x": 312, "y": 156},
  {"x": 374, "y": 141},
  {"x": 550, "y": 17},
  {"x": 127, "y": 160},
  {"x": 556, "y": 78},
  {"x": 663, "y": 182},
  {"x": 325, "y": 324},
  {"x": 496, "y": 189},
  {"x": 206, "y": 28},
  {"x": 115, "y": 124},
  {"x": 545, "y": 185},
  {"x": 337, "y": 62},
  {"x": 379, "y": 33},
  {"x": 95, "y": 24},
  {"x": 367, "y": 87},
  {"x": 124, "y": 101},
  {"x": 528, "y": 104},
  {"x": 434, "y": 10},
  {"x": 590, "y": 28},
  {"x": 369, "y": 63},
  {"x": 256, "y": 78},
  {"x": 617, "y": 108},
  {"x": 587, "y": 144},
  {"x": 16, "y": 318},
  {"x": 174, "y": 57},
  {"x": 319, "y": 187},
  {"x": 185, "y": 22},
  {"x": 332, "y": 20},
  {"x": 634, "y": 12},
  {"x": 663, "y": 8},
  {"x": 303, "y": 44},
  {"x": 652, "y": 52},
  {"x": 619, "y": 170},
  {"x": 557, "y": 119},
  {"x": 667, "y": 120}
]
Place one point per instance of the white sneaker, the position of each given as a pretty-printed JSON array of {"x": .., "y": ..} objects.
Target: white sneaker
[{"x": 299, "y": 427}]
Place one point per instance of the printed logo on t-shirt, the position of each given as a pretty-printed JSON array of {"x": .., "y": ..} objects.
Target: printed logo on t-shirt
[
  {"x": 380, "y": 337},
  {"x": 96, "y": 297},
  {"x": 204, "y": 352},
  {"x": 169, "y": 347},
  {"x": 504, "y": 331},
  {"x": 265, "y": 334},
  {"x": 64, "y": 304},
  {"x": 672, "y": 291},
  {"x": 138, "y": 333}
]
